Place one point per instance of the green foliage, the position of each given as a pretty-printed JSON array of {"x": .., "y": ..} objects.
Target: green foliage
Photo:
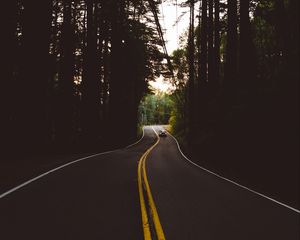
[
  {"x": 178, "y": 120},
  {"x": 155, "y": 109},
  {"x": 180, "y": 67}
]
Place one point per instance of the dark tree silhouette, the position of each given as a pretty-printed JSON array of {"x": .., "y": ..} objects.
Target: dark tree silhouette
[
  {"x": 217, "y": 43},
  {"x": 211, "y": 65},
  {"x": 247, "y": 71},
  {"x": 32, "y": 94},
  {"x": 203, "y": 48},
  {"x": 191, "y": 60},
  {"x": 65, "y": 100},
  {"x": 8, "y": 95},
  {"x": 75, "y": 71},
  {"x": 247, "y": 108},
  {"x": 91, "y": 74},
  {"x": 230, "y": 78}
]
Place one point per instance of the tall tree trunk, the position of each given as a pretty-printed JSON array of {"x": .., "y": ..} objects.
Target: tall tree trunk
[
  {"x": 34, "y": 73},
  {"x": 203, "y": 47},
  {"x": 293, "y": 11},
  {"x": 199, "y": 45},
  {"x": 117, "y": 84},
  {"x": 203, "y": 75},
  {"x": 247, "y": 71},
  {"x": 211, "y": 67},
  {"x": 65, "y": 104},
  {"x": 8, "y": 49},
  {"x": 106, "y": 71},
  {"x": 191, "y": 60},
  {"x": 230, "y": 78},
  {"x": 91, "y": 77},
  {"x": 288, "y": 50},
  {"x": 217, "y": 43}
]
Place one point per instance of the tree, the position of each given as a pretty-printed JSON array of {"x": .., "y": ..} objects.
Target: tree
[
  {"x": 247, "y": 71},
  {"x": 203, "y": 48},
  {"x": 217, "y": 43},
  {"x": 34, "y": 74},
  {"x": 191, "y": 82},
  {"x": 254, "y": 112},
  {"x": 91, "y": 74},
  {"x": 230, "y": 78},
  {"x": 211, "y": 58},
  {"x": 8, "y": 95},
  {"x": 65, "y": 100}
]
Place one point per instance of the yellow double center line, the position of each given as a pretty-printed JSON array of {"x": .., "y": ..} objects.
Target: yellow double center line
[{"x": 142, "y": 178}]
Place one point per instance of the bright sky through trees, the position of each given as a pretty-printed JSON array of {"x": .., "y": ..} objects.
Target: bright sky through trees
[
  {"x": 174, "y": 21},
  {"x": 159, "y": 85}
]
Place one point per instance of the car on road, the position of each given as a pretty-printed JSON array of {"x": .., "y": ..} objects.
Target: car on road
[{"x": 162, "y": 133}]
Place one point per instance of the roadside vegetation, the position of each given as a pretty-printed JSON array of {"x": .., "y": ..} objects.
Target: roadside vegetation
[
  {"x": 236, "y": 99},
  {"x": 156, "y": 109}
]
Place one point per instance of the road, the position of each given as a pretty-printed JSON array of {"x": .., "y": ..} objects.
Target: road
[{"x": 145, "y": 191}]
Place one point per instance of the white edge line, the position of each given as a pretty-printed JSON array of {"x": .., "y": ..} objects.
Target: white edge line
[
  {"x": 138, "y": 140},
  {"x": 235, "y": 183},
  {"x": 154, "y": 131},
  {"x": 60, "y": 167}
]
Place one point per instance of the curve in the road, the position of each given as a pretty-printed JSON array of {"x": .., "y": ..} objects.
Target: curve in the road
[
  {"x": 233, "y": 182},
  {"x": 143, "y": 181},
  {"x": 2, "y": 195}
]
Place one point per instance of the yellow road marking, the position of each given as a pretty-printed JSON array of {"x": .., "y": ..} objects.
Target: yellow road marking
[{"x": 145, "y": 219}]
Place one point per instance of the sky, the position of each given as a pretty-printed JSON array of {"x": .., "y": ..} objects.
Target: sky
[
  {"x": 172, "y": 31},
  {"x": 169, "y": 14}
]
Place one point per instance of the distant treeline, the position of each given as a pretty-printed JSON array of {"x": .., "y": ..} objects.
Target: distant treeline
[
  {"x": 156, "y": 109},
  {"x": 74, "y": 72}
]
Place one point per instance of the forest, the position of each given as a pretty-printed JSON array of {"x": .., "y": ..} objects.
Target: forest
[
  {"x": 70, "y": 78},
  {"x": 236, "y": 98},
  {"x": 74, "y": 73}
]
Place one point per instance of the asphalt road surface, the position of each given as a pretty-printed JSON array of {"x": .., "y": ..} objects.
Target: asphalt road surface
[{"x": 146, "y": 191}]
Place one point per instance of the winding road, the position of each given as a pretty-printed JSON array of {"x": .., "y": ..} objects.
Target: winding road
[{"x": 148, "y": 190}]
